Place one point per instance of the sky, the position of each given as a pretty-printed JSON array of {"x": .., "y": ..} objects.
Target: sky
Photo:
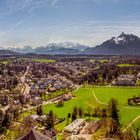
[{"x": 89, "y": 22}]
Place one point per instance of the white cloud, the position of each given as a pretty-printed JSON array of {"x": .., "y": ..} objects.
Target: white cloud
[{"x": 91, "y": 32}]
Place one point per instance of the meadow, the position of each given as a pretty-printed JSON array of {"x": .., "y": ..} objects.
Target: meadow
[
  {"x": 4, "y": 62},
  {"x": 127, "y": 113},
  {"x": 126, "y": 65},
  {"x": 88, "y": 98},
  {"x": 101, "y": 61},
  {"x": 43, "y": 60}
]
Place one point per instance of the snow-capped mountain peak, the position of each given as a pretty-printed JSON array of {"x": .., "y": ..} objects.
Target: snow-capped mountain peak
[{"x": 124, "y": 38}]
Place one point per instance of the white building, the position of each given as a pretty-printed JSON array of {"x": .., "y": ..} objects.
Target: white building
[{"x": 75, "y": 126}]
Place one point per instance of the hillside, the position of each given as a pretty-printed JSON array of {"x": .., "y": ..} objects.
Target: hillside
[
  {"x": 125, "y": 44},
  {"x": 7, "y": 52}
]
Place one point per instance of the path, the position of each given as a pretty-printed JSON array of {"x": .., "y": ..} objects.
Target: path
[
  {"x": 101, "y": 103},
  {"x": 120, "y": 106},
  {"x": 131, "y": 123}
]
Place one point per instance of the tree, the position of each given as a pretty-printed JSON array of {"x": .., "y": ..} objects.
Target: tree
[
  {"x": 75, "y": 111},
  {"x": 74, "y": 117},
  {"x": 39, "y": 110},
  {"x": 80, "y": 112},
  {"x": 104, "y": 113},
  {"x": 7, "y": 120},
  {"x": 136, "y": 130},
  {"x": 109, "y": 77},
  {"x": 116, "y": 74},
  {"x": 69, "y": 115},
  {"x": 113, "y": 114},
  {"x": 113, "y": 111},
  {"x": 60, "y": 103},
  {"x": 16, "y": 113},
  {"x": 68, "y": 118},
  {"x": 104, "y": 75},
  {"x": 50, "y": 120}
]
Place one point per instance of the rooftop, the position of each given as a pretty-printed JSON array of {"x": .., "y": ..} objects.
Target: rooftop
[
  {"x": 33, "y": 135},
  {"x": 74, "y": 124}
]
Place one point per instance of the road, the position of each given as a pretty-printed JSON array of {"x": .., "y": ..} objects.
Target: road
[{"x": 26, "y": 88}]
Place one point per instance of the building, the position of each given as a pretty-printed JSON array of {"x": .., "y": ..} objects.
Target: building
[
  {"x": 75, "y": 126},
  {"x": 23, "y": 99},
  {"x": 92, "y": 127},
  {"x": 36, "y": 101},
  {"x": 125, "y": 80},
  {"x": 33, "y": 135}
]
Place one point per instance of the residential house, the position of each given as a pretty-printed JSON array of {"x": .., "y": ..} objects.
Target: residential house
[
  {"x": 75, "y": 126},
  {"x": 33, "y": 135},
  {"x": 125, "y": 80}
]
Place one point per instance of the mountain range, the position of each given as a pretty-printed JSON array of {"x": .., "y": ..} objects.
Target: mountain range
[{"x": 124, "y": 44}]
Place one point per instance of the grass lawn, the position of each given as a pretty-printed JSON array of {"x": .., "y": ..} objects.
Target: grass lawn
[
  {"x": 126, "y": 65},
  {"x": 121, "y": 94},
  {"x": 4, "y": 62},
  {"x": 101, "y": 61},
  {"x": 85, "y": 99},
  {"x": 55, "y": 94},
  {"x": 138, "y": 83},
  {"x": 43, "y": 60}
]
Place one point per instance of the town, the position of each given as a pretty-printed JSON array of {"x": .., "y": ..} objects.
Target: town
[{"x": 40, "y": 96}]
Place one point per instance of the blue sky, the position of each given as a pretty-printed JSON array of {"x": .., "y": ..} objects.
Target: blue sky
[{"x": 39, "y": 22}]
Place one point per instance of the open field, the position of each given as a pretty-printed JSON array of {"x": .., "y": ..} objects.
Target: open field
[
  {"x": 126, "y": 65},
  {"x": 127, "y": 113},
  {"x": 138, "y": 82},
  {"x": 101, "y": 61},
  {"x": 83, "y": 99},
  {"x": 121, "y": 94},
  {"x": 4, "y": 62},
  {"x": 43, "y": 60},
  {"x": 88, "y": 98},
  {"x": 55, "y": 94}
]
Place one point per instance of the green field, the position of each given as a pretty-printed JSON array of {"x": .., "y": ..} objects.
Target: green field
[
  {"x": 126, "y": 65},
  {"x": 138, "y": 83},
  {"x": 127, "y": 113},
  {"x": 85, "y": 99},
  {"x": 55, "y": 94},
  {"x": 4, "y": 62},
  {"x": 101, "y": 61},
  {"x": 43, "y": 60}
]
